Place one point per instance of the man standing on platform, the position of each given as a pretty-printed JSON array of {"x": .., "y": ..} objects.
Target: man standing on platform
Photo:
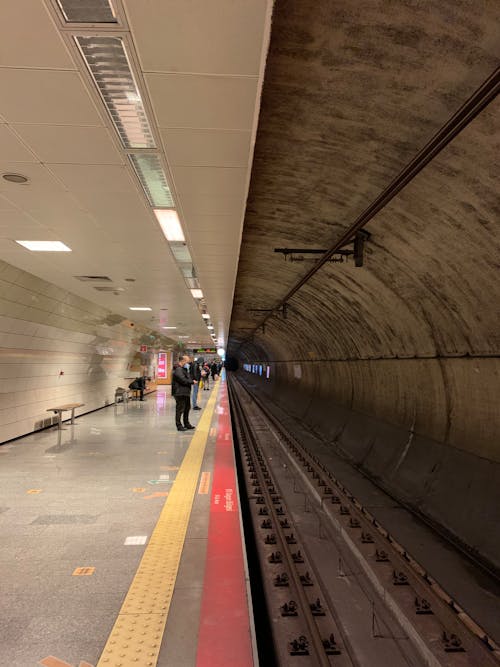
[
  {"x": 195, "y": 374},
  {"x": 181, "y": 391}
]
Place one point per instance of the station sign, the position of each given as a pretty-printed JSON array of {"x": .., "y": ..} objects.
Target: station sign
[{"x": 162, "y": 365}]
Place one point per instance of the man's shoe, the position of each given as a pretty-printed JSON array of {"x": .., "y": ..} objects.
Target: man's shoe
[
  {"x": 188, "y": 427},
  {"x": 196, "y": 408},
  {"x": 181, "y": 428}
]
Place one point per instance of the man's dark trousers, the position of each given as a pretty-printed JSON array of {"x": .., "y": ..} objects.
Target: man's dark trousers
[{"x": 182, "y": 406}]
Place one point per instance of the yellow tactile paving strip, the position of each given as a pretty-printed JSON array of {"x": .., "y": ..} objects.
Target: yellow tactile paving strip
[{"x": 135, "y": 639}]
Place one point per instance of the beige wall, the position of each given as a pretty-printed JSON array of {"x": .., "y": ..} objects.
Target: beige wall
[{"x": 45, "y": 330}]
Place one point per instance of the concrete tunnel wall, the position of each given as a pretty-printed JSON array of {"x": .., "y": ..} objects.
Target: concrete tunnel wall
[
  {"x": 376, "y": 414},
  {"x": 399, "y": 360}
]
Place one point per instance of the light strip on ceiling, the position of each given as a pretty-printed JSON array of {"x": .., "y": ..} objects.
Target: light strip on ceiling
[
  {"x": 44, "y": 246},
  {"x": 152, "y": 177},
  {"x": 197, "y": 293},
  {"x": 170, "y": 224},
  {"x": 109, "y": 66},
  {"x": 88, "y": 11}
]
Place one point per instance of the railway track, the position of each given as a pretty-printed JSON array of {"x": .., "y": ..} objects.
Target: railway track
[{"x": 347, "y": 594}]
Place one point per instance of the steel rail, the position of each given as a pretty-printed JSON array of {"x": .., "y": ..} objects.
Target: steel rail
[
  {"x": 476, "y": 103},
  {"x": 315, "y": 638}
]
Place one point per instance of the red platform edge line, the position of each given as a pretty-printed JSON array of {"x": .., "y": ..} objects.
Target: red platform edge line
[{"x": 224, "y": 632}]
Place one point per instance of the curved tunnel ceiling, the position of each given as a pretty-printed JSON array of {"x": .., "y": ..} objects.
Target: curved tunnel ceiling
[{"x": 351, "y": 95}]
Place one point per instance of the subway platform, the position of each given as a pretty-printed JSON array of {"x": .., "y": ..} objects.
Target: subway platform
[{"x": 122, "y": 542}]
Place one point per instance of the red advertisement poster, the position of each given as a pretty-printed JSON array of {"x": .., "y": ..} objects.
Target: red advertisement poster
[{"x": 162, "y": 365}]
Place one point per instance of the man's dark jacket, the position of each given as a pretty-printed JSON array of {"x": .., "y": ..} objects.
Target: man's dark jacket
[
  {"x": 195, "y": 372},
  {"x": 181, "y": 382}
]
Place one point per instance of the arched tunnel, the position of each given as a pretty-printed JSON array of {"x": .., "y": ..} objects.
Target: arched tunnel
[
  {"x": 376, "y": 118},
  {"x": 307, "y": 193}
]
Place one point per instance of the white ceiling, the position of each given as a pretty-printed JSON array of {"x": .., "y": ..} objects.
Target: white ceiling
[{"x": 199, "y": 66}]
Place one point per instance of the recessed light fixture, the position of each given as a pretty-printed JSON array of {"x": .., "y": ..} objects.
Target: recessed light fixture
[
  {"x": 45, "y": 246},
  {"x": 209, "y": 326},
  {"x": 15, "y": 178},
  {"x": 97, "y": 11},
  {"x": 140, "y": 308},
  {"x": 169, "y": 327},
  {"x": 205, "y": 316},
  {"x": 197, "y": 293},
  {"x": 170, "y": 224},
  {"x": 152, "y": 177},
  {"x": 109, "y": 65}
]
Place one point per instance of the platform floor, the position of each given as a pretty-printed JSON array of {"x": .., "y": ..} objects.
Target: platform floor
[{"x": 121, "y": 542}]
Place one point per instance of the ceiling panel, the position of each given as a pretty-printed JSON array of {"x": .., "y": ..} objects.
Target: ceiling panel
[
  {"x": 210, "y": 180},
  {"x": 210, "y": 205},
  {"x": 70, "y": 144},
  {"x": 192, "y": 101},
  {"x": 45, "y": 96},
  {"x": 207, "y": 148},
  {"x": 201, "y": 239},
  {"x": 95, "y": 178},
  {"x": 6, "y": 205},
  {"x": 11, "y": 148},
  {"x": 128, "y": 209},
  {"x": 15, "y": 225},
  {"x": 49, "y": 206},
  {"x": 214, "y": 268},
  {"x": 218, "y": 250},
  {"x": 35, "y": 41},
  {"x": 187, "y": 36},
  {"x": 41, "y": 183}
]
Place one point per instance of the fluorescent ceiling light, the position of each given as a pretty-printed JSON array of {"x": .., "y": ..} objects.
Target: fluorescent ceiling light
[
  {"x": 188, "y": 271},
  {"x": 181, "y": 253},
  {"x": 90, "y": 11},
  {"x": 205, "y": 316},
  {"x": 150, "y": 172},
  {"x": 169, "y": 223},
  {"x": 169, "y": 327},
  {"x": 197, "y": 293},
  {"x": 140, "y": 308},
  {"x": 45, "y": 246},
  {"x": 192, "y": 283},
  {"x": 109, "y": 66},
  {"x": 182, "y": 336},
  {"x": 209, "y": 326}
]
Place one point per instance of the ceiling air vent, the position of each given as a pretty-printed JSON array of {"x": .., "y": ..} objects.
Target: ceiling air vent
[
  {"x": 95, "y": 279},
  {"x": 109, "y": 289},
  {"x": 87, "y": 11}
]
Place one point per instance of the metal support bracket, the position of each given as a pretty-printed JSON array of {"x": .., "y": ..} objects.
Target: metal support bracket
[{"x": 345, "y": 251}]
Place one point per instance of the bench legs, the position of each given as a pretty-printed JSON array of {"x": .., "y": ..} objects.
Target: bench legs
[{"x": 59, "y": 418}]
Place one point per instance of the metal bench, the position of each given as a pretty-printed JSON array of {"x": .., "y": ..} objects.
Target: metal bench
[{"x": 63, "y": 408}]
